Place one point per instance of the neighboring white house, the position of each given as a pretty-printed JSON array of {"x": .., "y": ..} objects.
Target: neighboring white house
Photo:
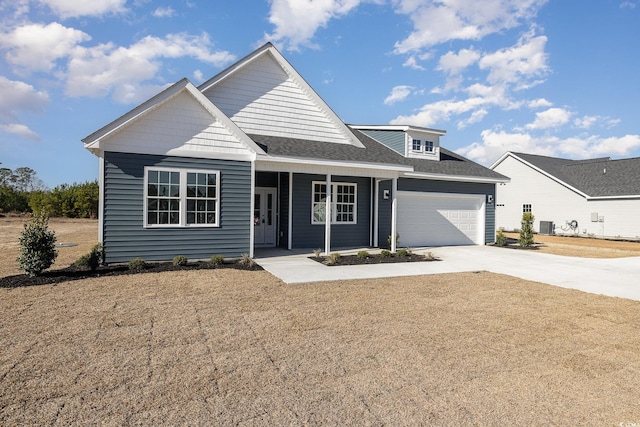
[{"x": 598, "y": 197}]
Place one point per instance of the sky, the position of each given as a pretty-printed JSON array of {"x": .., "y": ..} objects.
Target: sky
[{"x": 552, "y": 77}]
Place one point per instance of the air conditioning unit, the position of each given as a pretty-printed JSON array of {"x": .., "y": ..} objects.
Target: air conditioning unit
[{"x": 547, "y": 227}]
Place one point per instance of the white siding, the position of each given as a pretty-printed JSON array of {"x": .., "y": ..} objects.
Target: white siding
[
  {"x": 262, "y": 99},
  {"x": 179, "y": 125},
  {"x": 552, "y": 201}
]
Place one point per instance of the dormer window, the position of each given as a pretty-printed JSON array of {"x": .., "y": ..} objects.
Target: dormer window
[
  {"x": 416, "y": 146},
  {"x": 428, "y": 146}
]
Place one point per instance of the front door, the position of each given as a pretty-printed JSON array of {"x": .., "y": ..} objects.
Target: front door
[{"x": 264, "y": 217}]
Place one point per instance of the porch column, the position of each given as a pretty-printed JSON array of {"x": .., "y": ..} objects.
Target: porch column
[
  {"x": 251, "y": 207},
  {"x": 394, "y": 213},
  {"x": 376, "y": 209},
  {"x": 327, "y": 218},
  {"x": 290, "y": 219}
]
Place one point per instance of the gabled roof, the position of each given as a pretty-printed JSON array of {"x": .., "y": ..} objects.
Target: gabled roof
[
  {"x": 269, "y": 50},
  {"x": 93, "y": 141},
  {"x": 592, "y": 178}
]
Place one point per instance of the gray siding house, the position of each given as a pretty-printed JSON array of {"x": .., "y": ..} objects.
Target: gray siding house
[{"x": 254, "y": 158}]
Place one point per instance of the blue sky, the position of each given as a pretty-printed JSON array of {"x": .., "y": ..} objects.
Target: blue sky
[{"x": 556, "y": 77}]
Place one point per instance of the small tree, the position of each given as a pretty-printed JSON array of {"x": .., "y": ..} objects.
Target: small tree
[
  {"x": 37, "y": 245},
  {"x": 526, "y": 230}
]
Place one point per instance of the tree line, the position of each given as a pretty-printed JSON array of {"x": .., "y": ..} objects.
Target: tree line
[{"x": 22, "y": 191}]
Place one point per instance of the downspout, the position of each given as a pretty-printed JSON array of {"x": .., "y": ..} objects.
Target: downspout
[{"x": 327, "y": 217}]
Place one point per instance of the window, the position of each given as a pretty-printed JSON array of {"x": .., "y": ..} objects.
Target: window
[
  {"x": 181, "y": 198},
  {"x": 526, "y": 208},
  {"x": 428, "y": 146},
  {"x": 343, "y": 203},
  {"x": 416, "y": 145}
]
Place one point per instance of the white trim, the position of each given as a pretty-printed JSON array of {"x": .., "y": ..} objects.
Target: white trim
[
  {"x": 182, "y": 223},
  {"x": 290, "y": 214},
  {"x": 251, "y": 210},
  {"x": 101, "y": 200},
  {"x": 458, "y": 178},
  {"x": 376, "y": 211},
  {"x": 334, "y": 163},
  {"x": 394, "y": 213},
  {"x": 327, "y": 213},
  {"x": 371, "y": 196},
  {"x": 403, "y": 128}
]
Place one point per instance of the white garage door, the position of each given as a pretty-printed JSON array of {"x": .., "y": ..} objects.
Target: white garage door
[{"x": 439, "y": 219}]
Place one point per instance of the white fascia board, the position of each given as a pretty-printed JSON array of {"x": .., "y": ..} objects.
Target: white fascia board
[
  {"x": 233, "y": 68},
  {"x": 458, "y": 178},
  {"x": 404, "y": 128},
  {"x": 334, "y": 163},
  {"x": 626, "y": 197},
  {"x": 548, "y": 175},
  {"x": 500, "y": 160}
]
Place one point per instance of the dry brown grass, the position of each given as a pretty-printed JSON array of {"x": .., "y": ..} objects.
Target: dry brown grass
[
  {"x": 81, "y": 231},
  {"x": 224, "y": 347},
  {"x": 228, "y": 347},
  {"x": 584, "y": 247}
]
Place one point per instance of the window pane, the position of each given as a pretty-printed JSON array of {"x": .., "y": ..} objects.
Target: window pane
[
  {"x": 164, "y": 177},
  {"x": 191, "y": 178},
  {"x": 152, "y": 176},
  {"x": 191, "y": 218},
  {"x": 211, "y": 179}
]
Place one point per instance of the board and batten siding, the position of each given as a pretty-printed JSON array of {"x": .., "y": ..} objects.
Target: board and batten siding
[
  {"x": 394, "y": 139},
  {"x": 433, "y": 186},
  {"x": 307, "y": 235},
  {"x": 263, "y": 99},
  {"x": 125, "y": 236}
]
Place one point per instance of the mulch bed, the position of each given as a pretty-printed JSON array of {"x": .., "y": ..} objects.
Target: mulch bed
[
  {"x": 373, "y": 259},
  {"x": 77, "y": 273}
]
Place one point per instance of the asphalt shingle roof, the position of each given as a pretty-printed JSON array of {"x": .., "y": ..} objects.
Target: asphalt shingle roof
[
  {"x": 373, "y": 152},
  {"x": 600, "y": 177}
]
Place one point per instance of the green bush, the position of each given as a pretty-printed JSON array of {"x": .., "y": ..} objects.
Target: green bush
[
  {"x": 37, "y": 246},
  {"x": 317, "y": 252},
  {"x": 180, "y": 260},
  {"x": 217, "y": 260},
  {"x": 526, "y": 230},
  {"x": 93, "y": 259},
  {"x": 362, "y": 254},
  {"x": 501, "y": 239},
  {"x": 137, "y": 264},
  {"x": 247, "y": 261},
  {"x": 333, "y": 258},
  {"x": 403, "y": 253},
  {"x": 385, "y": 253}
]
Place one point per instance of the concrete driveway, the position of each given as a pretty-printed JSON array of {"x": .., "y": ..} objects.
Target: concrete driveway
[{"x": 618, "y": 277}]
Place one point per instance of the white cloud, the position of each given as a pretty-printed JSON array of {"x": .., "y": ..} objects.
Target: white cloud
[
  {"x": 586, "y": 121},
  {"x": 19, "y": 96},
  {"x": 164, "y": 12},
  {"x": 495, "y": 143},
  {"x": 412, "y": 63},
  {"x": 539, "y": 103},
  {"x": 454, "y": 63},
  {"x": 19, "y": 130},
  {"x": 36, "y": 47},
  {"x": 627, "y": 5},
  {"x": 431, "y": 115},
  {"x": 296, "y": 21},
  {"x": 439, "y": 22},
  {"x": 526, "y": 60},
  {"x": 476, "y": 117},
  {"x": 551, "y": 118},
  {"x": 398, "y": 93},
  {"x": 126, "y": 71},
  {"x": 198, "y": 76},
  {"x": 76, "y": 8}
]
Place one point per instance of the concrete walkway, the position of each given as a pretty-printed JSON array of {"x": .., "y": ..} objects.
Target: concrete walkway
[{"x": 618, "y": 277}]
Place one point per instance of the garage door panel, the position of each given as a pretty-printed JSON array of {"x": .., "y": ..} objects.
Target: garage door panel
[{"x": 428, "y": 219}]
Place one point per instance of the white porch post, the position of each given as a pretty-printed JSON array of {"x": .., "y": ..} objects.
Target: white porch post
[
  {"x": 394, "y": 213},
  {"x": 252, "y": 198},
  {"x": 327, "y": 218},
  {"x": 376, "y": 209},
  {"x": 290, "y": 210}
]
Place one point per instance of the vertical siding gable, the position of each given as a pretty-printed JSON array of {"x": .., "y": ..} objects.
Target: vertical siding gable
[
  {"x": 124, "y": 234},
  {"x": 180, "y": 123},
  {"x": 261, "y": 98},
  {"x": 396, "y": 140}
]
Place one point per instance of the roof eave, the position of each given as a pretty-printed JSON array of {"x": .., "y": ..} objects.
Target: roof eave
[{"x": 458, "y": 178}]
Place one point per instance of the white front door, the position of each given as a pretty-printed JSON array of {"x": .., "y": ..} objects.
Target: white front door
[{"x": 264, "y": 216}]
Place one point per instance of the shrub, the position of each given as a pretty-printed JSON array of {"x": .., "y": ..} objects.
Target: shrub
[
  {"x": 333, "y": 258},
  {"x": 385, "y": 253},
  {"x": 180, "y": 260},
  {"x": 317, "y": 252},
  {"x": 93, "y": 259},
  {"x": 501, "y": 239},
  {"x": 362, "y": 254},
  {"x": 526, "y": 230},
  {"x": 247, "y": 261},
  {"x": 397, "y": 239},
  {"x": 217, "y": 260},
  {"x": 429, "y": 256},
  {"x": 137, "y": 264},
  {"x": 37, "y": 245},
  {"x": 402, "y": 253}
]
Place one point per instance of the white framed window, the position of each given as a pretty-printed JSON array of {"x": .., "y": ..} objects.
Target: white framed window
[
  {"x": 181, "y": 197},
  {"x": 344, "y": 204},
  {"x": 428, "y": 146},
  {"x": 526, "y": 208},
  {"x": 416, "y": 146}
]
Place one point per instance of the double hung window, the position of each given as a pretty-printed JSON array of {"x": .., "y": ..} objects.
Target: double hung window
[
  {"x": 343, "y": 203},
  {"x": 181, "y": 198}
]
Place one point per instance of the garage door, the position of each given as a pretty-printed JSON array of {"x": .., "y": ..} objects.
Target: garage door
[{"x": 439, "y": 219}]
